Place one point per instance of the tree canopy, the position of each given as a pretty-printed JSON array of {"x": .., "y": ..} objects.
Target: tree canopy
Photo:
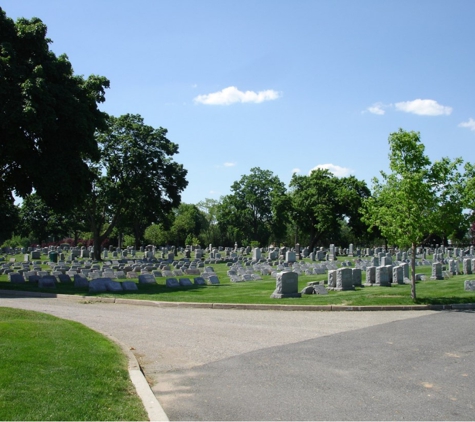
[
  {"x": 136, "y": 178},
  {"x": 321, "y": 201},
  {"x": 48, "y": 117},
  {"x": 256, "y": 209},
  {"x": 412, "y": 201}
]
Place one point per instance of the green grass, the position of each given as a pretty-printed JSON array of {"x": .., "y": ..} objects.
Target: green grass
[
  {"x": 53, "y": 369},
  {"x": 258, "y": 292}
]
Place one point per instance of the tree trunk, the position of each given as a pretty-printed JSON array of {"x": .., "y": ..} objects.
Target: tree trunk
[
  {"x": 97, "y": 245},
  {"x": 413, "y": 270}
]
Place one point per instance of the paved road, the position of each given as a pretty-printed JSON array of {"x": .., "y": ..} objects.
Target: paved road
[{"x": 211, "y": 364}]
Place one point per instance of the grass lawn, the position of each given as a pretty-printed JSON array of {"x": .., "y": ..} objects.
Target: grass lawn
[
  {"x": 54, "y": 369},
  {"x": 258, "y": 292}
]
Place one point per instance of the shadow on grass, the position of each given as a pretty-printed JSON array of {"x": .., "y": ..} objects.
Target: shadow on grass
[{"x": 68, "y": 288}]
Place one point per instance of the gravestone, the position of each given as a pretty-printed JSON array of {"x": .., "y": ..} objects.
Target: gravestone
[
  {"x": 213, "y": 280},
  {"x": 382, "y": 277},
  {"x": 331, "y": 279},
  {"x": 16, "y": 278},
  {"x": 256, "y": 254},
  {"x": 437, "y": 271},
  {"x": 320, "y": 289},
  {"x": 344, "y": 279},
  {"x": 147, "y": 279},
  {"x": 469, "y": 285},
  {"x": 356, "y": 276},
  {"x": 290, "y": 256},
  {"x": 80, "y": 282},
  {"x": 405, "y": 269},
  {"x": 398, "y": 275},
  {"x": 467, "y": 266},
  {"x": 129, "y": 286},
  {"x": 114, "y": 286},
  {"x": 185, "y": 282},
  {"x": 199, "y": 281},
  {"x": 47, "y": 282},
  {"x": 172, "y": 282},
  {"x": 64, "y": 278},
  {"x": 453, "y": 267},
  {"x": 287, "y": 285},
  {"x": 370, "y": 276},
  {"x": 98, "y": 285}
]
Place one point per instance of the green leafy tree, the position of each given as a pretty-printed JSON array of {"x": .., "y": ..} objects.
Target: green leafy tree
[
  {"x": 189, "y": 221},
  {"x": 42, "y": 223},
  {"x": 136, "y": 176},
  {"x": 48, "y": 117},
  {"x": 411, "y": 201},
  {"x": 257, "y": 208},
  {"x": 157, "y": 235},
  {"x": 9, "y": 216},
  {"x": 321, "y": 201},
  {"x": 212, "y": 234}
]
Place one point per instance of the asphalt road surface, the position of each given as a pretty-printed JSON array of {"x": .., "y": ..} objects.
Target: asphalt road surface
[{"x": 216, "y": 364}]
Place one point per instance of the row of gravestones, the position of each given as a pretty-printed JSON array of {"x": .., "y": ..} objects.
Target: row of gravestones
[
  {"x": 103, "y": 284},
  {"x": 93, "y": 272}
]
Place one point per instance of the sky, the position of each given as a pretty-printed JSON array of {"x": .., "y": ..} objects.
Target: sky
[{"x": 286, "y": 86}]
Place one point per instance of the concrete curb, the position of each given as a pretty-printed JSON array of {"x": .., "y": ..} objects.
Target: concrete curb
[
  {"x": 243, "y": 306},
  {"x": 151, "y": 404}
]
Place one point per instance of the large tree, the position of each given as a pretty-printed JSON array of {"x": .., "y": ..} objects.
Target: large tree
[
  {"x": 412, "y": 201},
  {"x": 189, "y": 220},
  {"x": 9, "y": 216},
  {"x": 48, "y": 117},
  {"x": 212, "y": 233},
  {"x": 321, "y": 201},
  {"x": 256, "y": 210},
  {"x": 136, "y": 176}
]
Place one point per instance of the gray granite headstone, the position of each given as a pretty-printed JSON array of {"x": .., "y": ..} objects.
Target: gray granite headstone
[
  {"x": 47, "y": 282},
  {"x": 469, "y": 285},
  {"x": 172, "y": 282},
  {"x": 147, "y": 279},
  {"x": 80, "y": 282},
  {"x": 64, "y": 278},
  {"x": 320, "y": 289},
  {"x": 98, "y": 285},
  {"x": 370, "y": 276},
  {"x": 356, "y": 276},
  {"x": 344, "y": 279},
  {"x": 16, "y": 278},
  {"x": 331, "y": 278},
  {"x": 114, "y": 286},
  {"x": 437, "y": 270},
  {"x": 382, "y": 277},
  {"x": 129, "y": 286},
  {"x": 185, "y": 282},
  {"x": 213, "y": 280},
  {"x": 199, "y": 281},
  {"x": 398, "y": 275},
  {"x": 286, "y": 285}
]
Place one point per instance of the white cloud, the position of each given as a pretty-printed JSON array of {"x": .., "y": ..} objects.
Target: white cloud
[
  {"x": 470, "y": 124},
  {"x": 332, "y": 168},
  {"x": 423, "y": 107},
  {"x": 232, "y": 95},
  {"x": 296, "y": 170},
  {"x": 229, "y": 164},
  {"x": 377, "y": 108}
]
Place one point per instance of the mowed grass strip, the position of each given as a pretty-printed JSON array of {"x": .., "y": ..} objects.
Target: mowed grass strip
[
  {"x": 258, "y": 292},
  {"x": 54, "y": 369}
]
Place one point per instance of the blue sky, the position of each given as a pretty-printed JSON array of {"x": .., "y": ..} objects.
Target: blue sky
[{"x": 282, "y": 85}]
